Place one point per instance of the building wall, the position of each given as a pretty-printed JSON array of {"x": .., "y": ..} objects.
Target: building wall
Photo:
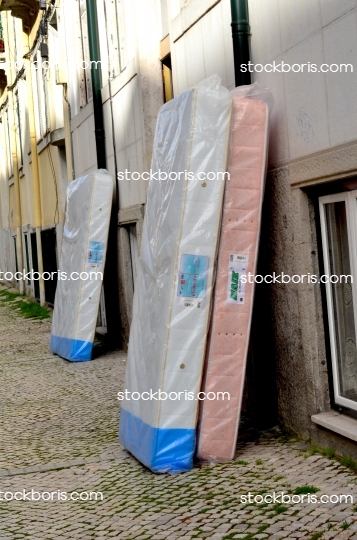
[
  {"x": 201, "y": 42},
  {"x": 22, "y": 212},
  {"x": 312, "y": 141}
]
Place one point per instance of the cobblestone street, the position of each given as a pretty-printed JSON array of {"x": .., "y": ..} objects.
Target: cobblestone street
[{"x": 58, "y": 431}]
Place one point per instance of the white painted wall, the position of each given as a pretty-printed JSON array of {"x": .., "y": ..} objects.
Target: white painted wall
[
  {"x": 130, "y": 103},
  {"x": 201, "y": 45},
  {"x": 313, "y": 111}
]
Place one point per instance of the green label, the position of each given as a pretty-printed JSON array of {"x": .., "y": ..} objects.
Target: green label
[{"x": 234, "y": 286}]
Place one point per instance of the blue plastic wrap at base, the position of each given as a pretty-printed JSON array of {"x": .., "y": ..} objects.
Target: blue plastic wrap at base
[
  {"x": 162, "y": 450},
  {"x": 73, "y": 350}
]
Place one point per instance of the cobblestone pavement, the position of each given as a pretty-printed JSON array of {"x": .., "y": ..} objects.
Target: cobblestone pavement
[{"x": 58, "y": 431}]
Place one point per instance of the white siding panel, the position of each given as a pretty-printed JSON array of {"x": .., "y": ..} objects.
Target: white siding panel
[
  {"x": 128, "y": 114},
  {"x": 85, "y": 152},
  {"x": 124, "y": 200},
  {"x": 143, "y": 184},
  {"x": 138, "y": 112},
  {"x": 265, "y": 29},
  {"x": 194, "y": 55},
  {"x": 133, "y": 185},
  {"x": 118, "y": 121},
  {"x": 227, "y": 41},
  {"x": 340, "y": 45},
  {"x": 332, "y": 9},
  {"x": 306, "y": 101},
  {"x": 213, "y": 46},
  {"x": 108, "y": 129},
  {"x": 300, "y": 19},
  {"x": 179, "y": 63}
]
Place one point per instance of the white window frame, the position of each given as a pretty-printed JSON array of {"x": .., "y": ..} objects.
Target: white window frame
[{"x": 350, "y": 200}]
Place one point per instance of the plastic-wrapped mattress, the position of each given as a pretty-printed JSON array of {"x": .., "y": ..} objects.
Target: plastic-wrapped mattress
[
  {"x": 233, "y": 299},
  {"x": 174, "y": 280},
  {"x": 84, "y": 245}
]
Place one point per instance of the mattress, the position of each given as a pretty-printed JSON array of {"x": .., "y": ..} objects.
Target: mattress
[
  {"x": 233, "y": 299},
  {"x": 174, "y": 279},
  {"x": 84, "y": 244}
]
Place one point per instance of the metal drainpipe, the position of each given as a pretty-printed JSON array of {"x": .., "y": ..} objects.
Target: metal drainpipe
[
  {"x": 240, "y": 35},
  {"x": 94, "y": 52},
  {"x": 110, "y": 280}
]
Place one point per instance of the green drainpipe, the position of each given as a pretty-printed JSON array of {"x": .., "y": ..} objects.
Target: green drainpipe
[
  {"x": 94, "y": 53},
  {"x": 110, "y": 279},
  {"x": 240, "y": 35}
]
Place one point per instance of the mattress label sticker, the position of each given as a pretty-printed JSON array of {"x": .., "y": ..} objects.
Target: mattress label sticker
[
  {"x": 192, "y": 282},
  {"x": 96, "y": 252},
  {"x": 237, "y": 268}
]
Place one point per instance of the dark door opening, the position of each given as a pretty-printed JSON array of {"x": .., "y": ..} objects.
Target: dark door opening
[
  {"x": 49, "y": 257},
  {"x": 35, "y": 264}
]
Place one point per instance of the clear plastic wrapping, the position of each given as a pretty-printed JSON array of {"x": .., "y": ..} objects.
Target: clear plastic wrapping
[
  {"x": 227, "y": 347},
  {"x": 84, "y": 245},
  {"x": 174, "y": 280}
]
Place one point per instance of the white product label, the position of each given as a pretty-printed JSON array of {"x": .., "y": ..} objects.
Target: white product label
[
  {"x": 96, "y": 253},
  {"x": 192, "y": 281},
  {"x": 237, "y": 268}
]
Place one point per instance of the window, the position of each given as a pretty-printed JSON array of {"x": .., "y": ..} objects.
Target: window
[
  {"x": 114, "y": 18},
  {"x": 338, "y": 215},
  {"x": 85, "y": 80},
  {"x": 19, "y": 130},
  {"x": 112, "y": 27},
  {"x": 41, "y": 91},
  {"x": 10, "y": 167},
  {"x": 2, "y": 43},
  {"x": 122, "y": 25}
]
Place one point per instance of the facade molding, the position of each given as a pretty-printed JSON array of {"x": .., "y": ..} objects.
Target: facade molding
[{"x": 331, "y": 164}]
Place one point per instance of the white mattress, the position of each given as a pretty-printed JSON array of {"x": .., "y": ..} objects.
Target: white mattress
[
  {"x": 84, "y": 245},
  {"x": 181, "y": 227}
]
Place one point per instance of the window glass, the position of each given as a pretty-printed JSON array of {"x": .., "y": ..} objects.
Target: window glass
[{"x": 343, "y": 308}]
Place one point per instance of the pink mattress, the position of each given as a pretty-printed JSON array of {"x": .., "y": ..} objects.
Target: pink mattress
[{"x": 233, "y": 301}]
